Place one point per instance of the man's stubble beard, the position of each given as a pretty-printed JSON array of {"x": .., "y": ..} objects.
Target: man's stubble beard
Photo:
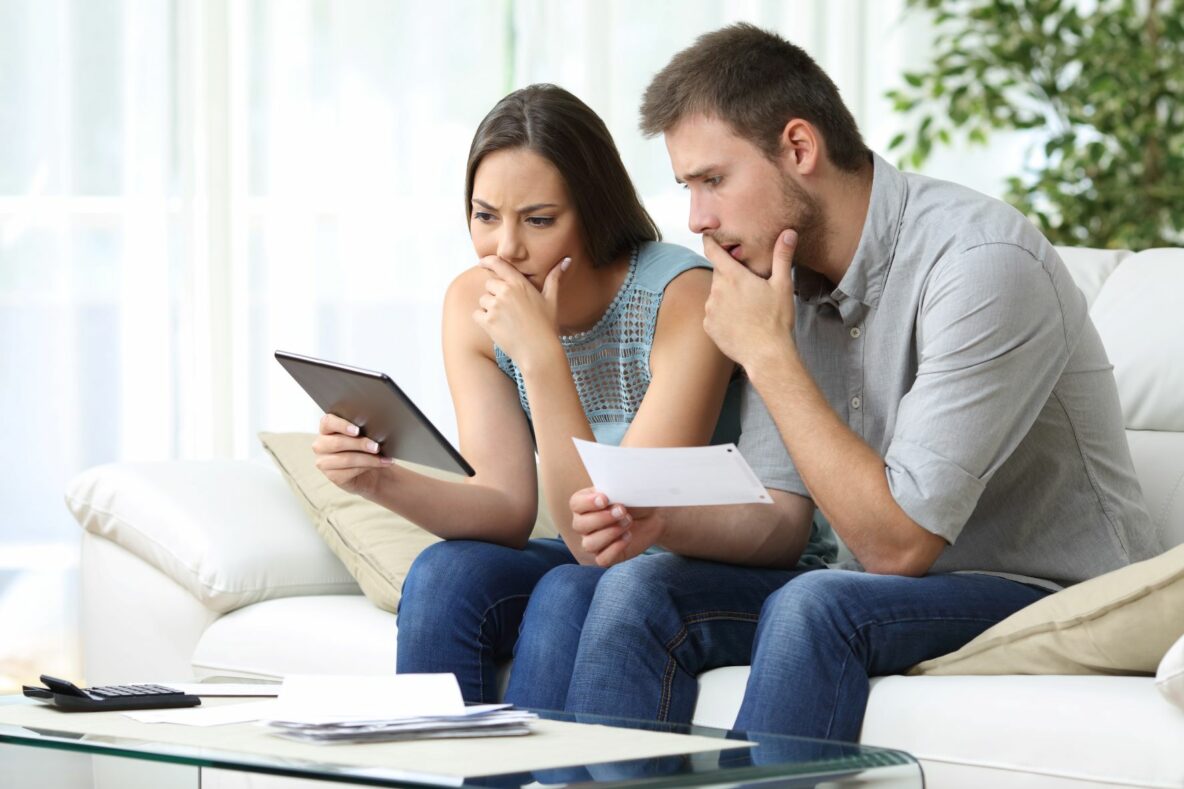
[{"x": 800, "y": 211}]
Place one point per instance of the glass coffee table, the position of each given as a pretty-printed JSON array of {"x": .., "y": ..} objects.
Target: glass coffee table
[{"x": 107, "y": 749}]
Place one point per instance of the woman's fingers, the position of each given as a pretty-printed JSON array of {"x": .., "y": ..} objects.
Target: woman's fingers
[
  {"x": 331, "y": 423},
  {"x": 350, "y": 460},
  {"x": 335, "y": 442}
]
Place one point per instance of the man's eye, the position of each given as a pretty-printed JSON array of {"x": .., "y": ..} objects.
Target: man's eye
[
  {"x": 713, "y": 180},
  {"x": 483, "y": 216},
  {"x": 540, "y": 221}
]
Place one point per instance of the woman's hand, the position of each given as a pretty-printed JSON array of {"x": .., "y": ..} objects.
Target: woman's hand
[
  {"x": 515, "y": 315},
  {"x": 350, "y": 462}
]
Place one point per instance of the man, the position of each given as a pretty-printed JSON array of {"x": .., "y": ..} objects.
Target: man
[{"x": 921, "y": 368}]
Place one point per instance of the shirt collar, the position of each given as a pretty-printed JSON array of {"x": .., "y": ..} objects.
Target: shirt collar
[{"x": 863, "y": 283}]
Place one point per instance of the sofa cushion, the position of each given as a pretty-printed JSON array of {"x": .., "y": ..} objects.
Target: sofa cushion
[
  {"x": 226, "y": 531},
  {"x": 1090, "y": 268},
  {"x": 341, "y": 634},
  {"x": 1138, "y": 317},
  {"x": 1015, "y": 731},
  {"x": 1170, "y": 676},
  {"x": 376, "y": 546},
  {"x": 1118, "y": 623}
]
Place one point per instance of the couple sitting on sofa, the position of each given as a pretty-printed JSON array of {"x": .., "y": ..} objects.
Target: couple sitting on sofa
[{"x": 917, "y": 363}]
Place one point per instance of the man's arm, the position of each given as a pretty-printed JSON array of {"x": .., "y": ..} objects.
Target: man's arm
[
  {"x": 757, "y": 535},
  {"x": 844, "y": 474}
]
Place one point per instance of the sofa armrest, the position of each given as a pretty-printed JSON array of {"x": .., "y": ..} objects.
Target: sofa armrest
[{"x": 228, "y": 532}]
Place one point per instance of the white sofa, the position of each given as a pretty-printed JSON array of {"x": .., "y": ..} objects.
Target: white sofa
[{"x": 211, "y": 568}]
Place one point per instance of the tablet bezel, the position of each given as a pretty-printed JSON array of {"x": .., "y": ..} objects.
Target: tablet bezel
[{"x": 295, "y": 364}]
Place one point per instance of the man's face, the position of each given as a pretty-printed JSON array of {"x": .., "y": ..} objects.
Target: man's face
[{"x": 739, "y": 197}]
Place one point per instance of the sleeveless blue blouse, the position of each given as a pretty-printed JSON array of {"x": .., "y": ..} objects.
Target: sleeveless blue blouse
[{"x": 610, "y": 362}]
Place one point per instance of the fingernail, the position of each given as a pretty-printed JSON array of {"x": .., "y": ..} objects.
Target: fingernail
[
  {"x": 353, "y": 430},
  {"x": 789, "y": 237},
  {"x": 601, "y": 501},
  {"x": 372, "y": 446},
  {"x": 565, "y": 265},
  {"x": 618, "y": 512}
]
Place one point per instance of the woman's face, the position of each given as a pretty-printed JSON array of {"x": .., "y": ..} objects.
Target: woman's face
[{"x": 521, "y": 213}]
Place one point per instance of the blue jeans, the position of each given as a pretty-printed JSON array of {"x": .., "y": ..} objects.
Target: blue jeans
[
  {"x": 462, "y": 605},
  {"x": 813, "y": 638}
]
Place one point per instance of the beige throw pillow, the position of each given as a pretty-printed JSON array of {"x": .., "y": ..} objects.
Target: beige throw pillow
[
  {"x": 1118, "y": 623},
  {"x": 376, "y": 546}
]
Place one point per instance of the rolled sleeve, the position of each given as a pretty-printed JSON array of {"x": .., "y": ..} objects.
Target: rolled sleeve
[
  {"x": 992, "y": 342},
  {"x": 935, "y": 492},
  {"x": 760, "y": 444}
]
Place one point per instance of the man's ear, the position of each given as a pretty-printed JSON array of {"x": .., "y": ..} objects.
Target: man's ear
[{"x": 801, "y": 147}]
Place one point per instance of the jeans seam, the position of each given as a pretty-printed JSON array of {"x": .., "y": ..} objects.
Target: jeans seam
[
  {"x": 834, "y": 704},
  {"x": 677, "y": 639},
  {"x": 481, "y": 641}
]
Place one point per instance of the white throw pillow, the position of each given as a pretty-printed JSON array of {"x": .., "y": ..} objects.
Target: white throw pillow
[{"x": 1170, "y": 676}]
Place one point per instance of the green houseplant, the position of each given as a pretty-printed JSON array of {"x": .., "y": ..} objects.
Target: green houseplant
[{"x": 1101, "y": 82}]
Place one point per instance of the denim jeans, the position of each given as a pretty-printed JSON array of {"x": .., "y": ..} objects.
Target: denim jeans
[
  {"x": 813, "y": 638},
  {"x": 462, "y": 606}
]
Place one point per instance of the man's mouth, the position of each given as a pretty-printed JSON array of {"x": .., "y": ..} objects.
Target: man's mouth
[{"x": 734, "y": 250}]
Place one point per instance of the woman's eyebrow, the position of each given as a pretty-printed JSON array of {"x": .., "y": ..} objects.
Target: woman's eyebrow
[{"x": 526, "y": 209}]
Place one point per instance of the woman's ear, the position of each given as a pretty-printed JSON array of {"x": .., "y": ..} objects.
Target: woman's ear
[{"x": 801, "y": 147}]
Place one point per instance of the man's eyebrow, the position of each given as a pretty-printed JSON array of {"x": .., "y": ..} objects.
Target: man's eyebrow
[{"x": 697, "y": 175}]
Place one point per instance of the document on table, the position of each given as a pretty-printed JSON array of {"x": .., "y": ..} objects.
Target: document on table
[
  {"x": 672, "y": 477},
  {"x": 319, "y": 699}
]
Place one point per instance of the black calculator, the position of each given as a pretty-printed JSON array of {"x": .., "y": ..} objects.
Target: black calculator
[{"x": 67, "y": 696}]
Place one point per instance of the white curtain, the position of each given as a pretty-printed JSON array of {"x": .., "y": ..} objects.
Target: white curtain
[{"x": 188, "y": 185}]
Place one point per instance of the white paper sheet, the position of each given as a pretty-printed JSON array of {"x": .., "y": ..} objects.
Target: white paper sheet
[
  {"x": 316, "y": 698},
  {"x": 672, "y": 477}
]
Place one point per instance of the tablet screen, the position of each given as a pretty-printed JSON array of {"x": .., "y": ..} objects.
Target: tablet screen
[{"x": 380, "y": 409}]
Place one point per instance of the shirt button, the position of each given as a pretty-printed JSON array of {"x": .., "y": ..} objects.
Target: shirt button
[
  {"x": 856, "y": 402},
  {"x": 856, "y": 331}
]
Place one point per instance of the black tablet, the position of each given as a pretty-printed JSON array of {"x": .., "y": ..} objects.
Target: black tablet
[{"x": 378, "y": 407}]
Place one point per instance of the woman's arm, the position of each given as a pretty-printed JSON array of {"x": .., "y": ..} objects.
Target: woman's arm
[
  {"x": 680, "y": 408},
  {"x": 498, "y": 504}
]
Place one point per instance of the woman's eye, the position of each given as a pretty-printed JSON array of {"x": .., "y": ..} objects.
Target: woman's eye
[
  {"x": 540, "y": 221},
  {"x": 483, "y": 216}
]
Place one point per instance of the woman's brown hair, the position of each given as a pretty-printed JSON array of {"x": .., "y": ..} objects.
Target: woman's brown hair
[{"x": 556, "y": 125}]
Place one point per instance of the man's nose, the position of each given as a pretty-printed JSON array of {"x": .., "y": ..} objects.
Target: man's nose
[
  {"x": 701, "y": 219},
  {"x": 509, "y": 244}
]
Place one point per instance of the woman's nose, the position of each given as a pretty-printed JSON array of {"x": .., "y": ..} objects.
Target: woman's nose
[{"x": 509, "y": 245}]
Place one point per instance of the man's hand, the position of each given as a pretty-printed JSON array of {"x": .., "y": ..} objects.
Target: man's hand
[
  {"x": 610, "y": 532},
  {"x": 514, "y": 313},
  {"x": 748, "y": 317}
]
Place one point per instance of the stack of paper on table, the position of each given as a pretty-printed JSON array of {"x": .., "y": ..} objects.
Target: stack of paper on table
[
  {"x": 393, "y": 707},
  {"x": 362, "y": 709}
]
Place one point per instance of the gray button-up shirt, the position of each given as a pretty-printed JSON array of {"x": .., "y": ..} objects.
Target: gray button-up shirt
[{"x": 959, "y": 348}]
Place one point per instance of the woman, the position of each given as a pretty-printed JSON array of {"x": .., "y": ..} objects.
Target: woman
[{"x": 576, "y": 322}]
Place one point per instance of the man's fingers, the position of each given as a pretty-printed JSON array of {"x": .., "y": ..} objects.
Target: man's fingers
[
  {"x": 589, "y": 522},
  {"x": 597, "y": 541},
  {"x": 587, "y": 500},
  {"x": 783, "y": 251},
  {"x": 551, "y": 283},
  {"x": 613, "y": 554},
  {"x": 723, "y": 263}
]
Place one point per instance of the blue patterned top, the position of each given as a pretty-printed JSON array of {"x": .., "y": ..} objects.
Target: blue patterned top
[{"x": 610, "y": 362}]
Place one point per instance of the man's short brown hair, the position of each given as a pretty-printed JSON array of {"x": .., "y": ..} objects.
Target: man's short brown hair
[{"x": 757, "y": 82}]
